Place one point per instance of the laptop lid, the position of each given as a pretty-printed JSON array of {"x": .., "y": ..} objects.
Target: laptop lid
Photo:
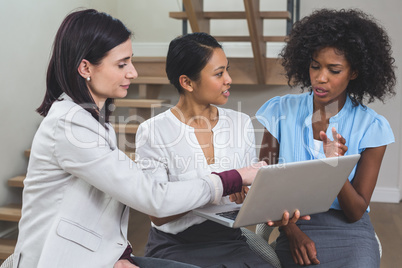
[{"x": 310, "y": 186}]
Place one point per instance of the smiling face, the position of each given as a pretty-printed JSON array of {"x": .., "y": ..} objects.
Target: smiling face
[
  {"x": 111, "y": 78},
  {"x": 214, "y": 82},
  {"x": 330, "y": 74}
]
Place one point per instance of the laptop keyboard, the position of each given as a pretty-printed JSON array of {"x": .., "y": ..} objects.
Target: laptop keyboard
[{"x": 229, "y": 214}]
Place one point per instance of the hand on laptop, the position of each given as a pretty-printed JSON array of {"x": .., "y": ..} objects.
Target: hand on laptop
[
  {"x": 238, "y": 198},
  {"x": 336, "y": 147},
  {"x": 286, "y": 219},
  {"x": 248, "y": 173}
]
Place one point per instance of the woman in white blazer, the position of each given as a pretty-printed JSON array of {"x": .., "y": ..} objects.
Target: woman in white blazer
[{"x": 79, "y": 185}]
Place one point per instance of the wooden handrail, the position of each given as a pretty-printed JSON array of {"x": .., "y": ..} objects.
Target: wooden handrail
[
  {"x": 194, "y": 10},
  {"x": 221, "y": 15},
  {"x": 255, "y": 28}
]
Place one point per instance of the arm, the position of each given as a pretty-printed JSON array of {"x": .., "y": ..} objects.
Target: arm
[
  {"x": 84, "y": 150},
  {"x": 355, "y": 198}
]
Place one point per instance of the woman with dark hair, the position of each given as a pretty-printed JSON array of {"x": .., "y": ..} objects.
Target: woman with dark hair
[
  {"x": 79, "y": 185},
  {"x": 192, "y": 139},
  {"x": 342, "y": 57}
]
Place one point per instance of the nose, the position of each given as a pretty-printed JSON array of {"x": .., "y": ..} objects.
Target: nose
[
  {"x": 322, "y": 77},
  {"x": 132, "y": 73},
  {"x": 228, "y": 79}
]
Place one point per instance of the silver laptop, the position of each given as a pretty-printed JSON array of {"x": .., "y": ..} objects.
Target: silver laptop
[{"x": 310, "y": 186}]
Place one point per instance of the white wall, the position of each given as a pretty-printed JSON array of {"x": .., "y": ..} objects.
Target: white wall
[{"x": 28, "y": 28}]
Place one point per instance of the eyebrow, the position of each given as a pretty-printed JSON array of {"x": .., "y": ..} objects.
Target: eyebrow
[
  {"x": 124, "y": 59},
  {"x": 331, "y": 65},
  {"x": 221, "y": 67},
  {"x": 335, "y": 65}
]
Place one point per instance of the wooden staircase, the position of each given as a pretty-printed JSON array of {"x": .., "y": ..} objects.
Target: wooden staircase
[
  {"x": 257, "y": 70},
  {"x": 10, "y": 213}
]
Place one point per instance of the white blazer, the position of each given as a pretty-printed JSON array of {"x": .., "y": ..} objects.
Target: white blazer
[{"x": 77, "y": 188}]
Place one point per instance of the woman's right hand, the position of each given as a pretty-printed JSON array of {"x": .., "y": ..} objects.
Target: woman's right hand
[
  {"x": 301, "y": 246},
  {"x": 336, "y": 147},
  {"x": 287, "y": 220},
  {"x": 248, "y": 173}
]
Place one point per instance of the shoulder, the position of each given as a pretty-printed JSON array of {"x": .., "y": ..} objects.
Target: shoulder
[
  {"x": 282, "y": 103},
  {"x": 368, "y": 115},
  {"x": 157, "y": 121},
  {"x": 67, "y": 113},
  {"x": 374, "y": 129},
  {"x": 232, "y": 113}
]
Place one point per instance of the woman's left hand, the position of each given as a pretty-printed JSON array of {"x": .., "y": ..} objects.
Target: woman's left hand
[
  {"x": 239, "y": 197},
  {"x": 285, "y": 219},
  {"x": 336, "y": 147}
]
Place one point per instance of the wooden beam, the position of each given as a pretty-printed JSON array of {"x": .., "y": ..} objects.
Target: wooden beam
[
  {"x": 227, "y": 38},
  {"x": 194, "y": 10},
  {"x": 17, "y": 181},
  {"x": 10, "y": 212},
  {"x": 223, "y": 15},
  {"x": 242, "y": 71},
  {"x": 243, "y": 67},
  {"x": 6, "y": 248},
  {"x": 255, "y": 26},
  {"x": 156, "y": 80}
]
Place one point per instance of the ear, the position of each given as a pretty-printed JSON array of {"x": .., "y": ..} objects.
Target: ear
[
  {"x": 354, "y": 75},
  {"x": 83, "y": 68},
  {"x": 186, "y": 83}
]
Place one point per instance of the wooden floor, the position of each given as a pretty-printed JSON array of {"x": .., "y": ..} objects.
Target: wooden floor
[
  {"x": 386, "y": 218},
  {"x": 387, "y": 221}
]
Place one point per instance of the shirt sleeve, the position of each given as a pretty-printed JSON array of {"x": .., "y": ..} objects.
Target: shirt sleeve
[
  {"x": 83, "y": 149},
  {"x": 379, "y": 133},
  {"x": 149, "y": 156},
  {"x": 269, "y": 116}
]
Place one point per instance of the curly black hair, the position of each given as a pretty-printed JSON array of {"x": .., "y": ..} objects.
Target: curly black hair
[{"x": 363, "y": 42}]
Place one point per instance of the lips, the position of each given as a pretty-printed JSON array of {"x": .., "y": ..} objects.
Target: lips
[
  {"x": 320, "y": 92},
  {"x": 226, "y": 93}
]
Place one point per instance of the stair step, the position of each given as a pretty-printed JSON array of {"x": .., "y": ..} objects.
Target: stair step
[
  {"x": 155, "y": 80},
  {"x": 233, "y": 15},
  {"x": 6, "y": 248},
  {"x": 140, "y": 103},
  {"x": 126, "y": 128},
  {"x": 17, "y": 181},
  {"x": 130, "y": 154},
  {"x": 10, "y": 212},
  {"x": 248, "y": 39}
]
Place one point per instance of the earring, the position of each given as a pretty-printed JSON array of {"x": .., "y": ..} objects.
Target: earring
[{"x": 88, "y": 78}]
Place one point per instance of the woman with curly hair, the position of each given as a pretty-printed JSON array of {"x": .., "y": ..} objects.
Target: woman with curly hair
[{"x": 343, "y": 58}]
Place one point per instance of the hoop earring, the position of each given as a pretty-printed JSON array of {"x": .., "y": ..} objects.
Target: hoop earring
[{"x": 88, "y": 78}]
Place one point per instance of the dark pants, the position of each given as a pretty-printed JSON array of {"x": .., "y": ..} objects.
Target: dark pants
[
  {"x": 338, "y": 242},
  {"x": 208, "y": 244},
  {"x": 146, "y": 262}
]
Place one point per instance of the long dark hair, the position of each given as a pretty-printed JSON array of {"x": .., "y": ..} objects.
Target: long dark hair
[
  {"x": 188, "y": 55},
  {"x": 86, "y": 34}
]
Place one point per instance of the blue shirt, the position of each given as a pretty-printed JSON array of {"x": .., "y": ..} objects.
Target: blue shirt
[{"x": 289, "y": 120}]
